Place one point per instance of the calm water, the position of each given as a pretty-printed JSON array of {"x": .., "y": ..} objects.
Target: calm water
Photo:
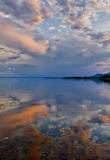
[{"x": 43, "y": 119}]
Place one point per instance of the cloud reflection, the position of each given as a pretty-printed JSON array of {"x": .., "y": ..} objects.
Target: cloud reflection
[{"x": 10, "y": 121}]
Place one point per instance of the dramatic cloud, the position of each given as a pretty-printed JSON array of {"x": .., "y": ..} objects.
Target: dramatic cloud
[
  {"x": 21, "y": 40},
  {"x": 24, "y": 12},
  {"x": 18, "y": 16},
  {"x": 73, "y": 36}
]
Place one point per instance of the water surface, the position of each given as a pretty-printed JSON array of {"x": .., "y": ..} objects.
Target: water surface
[{"x": 54, "y": 119}]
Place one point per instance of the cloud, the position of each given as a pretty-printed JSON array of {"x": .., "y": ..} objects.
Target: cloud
[
  {"x": 102, "y": 64},
  {"x": 12, "y": 37},
  {"x": 52, "y": 28},
  {"x": 85, "y": 53},
  {"x": 8, "y": 53},
  {"x": 24, "y": 12},
  {"x": 105, "y": 40},
  {"x": 78, "y": 14},
  {"x": 107, "y": 24},
  {"x": 52, "y": 49},
  {"x": 17, "y": 19},
  {"x": 102, "y": 38},
  {"x": 63, "y": 26},
  {"x": 75, "y": 43}
]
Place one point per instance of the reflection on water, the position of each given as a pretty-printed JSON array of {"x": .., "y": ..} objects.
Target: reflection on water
[{"x": 54, "y": 119}]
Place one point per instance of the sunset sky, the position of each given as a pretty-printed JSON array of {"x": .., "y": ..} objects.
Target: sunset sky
[{"x": 54, "y": 37}]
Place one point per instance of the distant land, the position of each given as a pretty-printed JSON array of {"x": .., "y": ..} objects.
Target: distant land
[{"x": 99, "y": 76}]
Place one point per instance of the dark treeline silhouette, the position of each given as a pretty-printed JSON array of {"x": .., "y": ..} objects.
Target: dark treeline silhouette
[{"x": 104, "y": 78}]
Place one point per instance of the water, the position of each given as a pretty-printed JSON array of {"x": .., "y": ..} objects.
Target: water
[{"x": 54, "y": 119}]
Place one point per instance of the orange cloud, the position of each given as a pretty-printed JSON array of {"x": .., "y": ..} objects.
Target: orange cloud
[
  {"x": 25, "y": 12},
  {"x": 12, "y": 37},
  {"x": 23, "y": 15},
  {"x": 39, "y": 13}
]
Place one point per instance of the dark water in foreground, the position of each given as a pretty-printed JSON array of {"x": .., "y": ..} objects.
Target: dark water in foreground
[{"x": 54, "y": 119}]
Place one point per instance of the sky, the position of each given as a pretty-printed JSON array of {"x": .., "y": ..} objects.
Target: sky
[{"x": 54, "y": 37}]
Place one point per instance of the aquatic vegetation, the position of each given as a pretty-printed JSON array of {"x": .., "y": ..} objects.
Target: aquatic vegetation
[{"x": 73, "y": 145}]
